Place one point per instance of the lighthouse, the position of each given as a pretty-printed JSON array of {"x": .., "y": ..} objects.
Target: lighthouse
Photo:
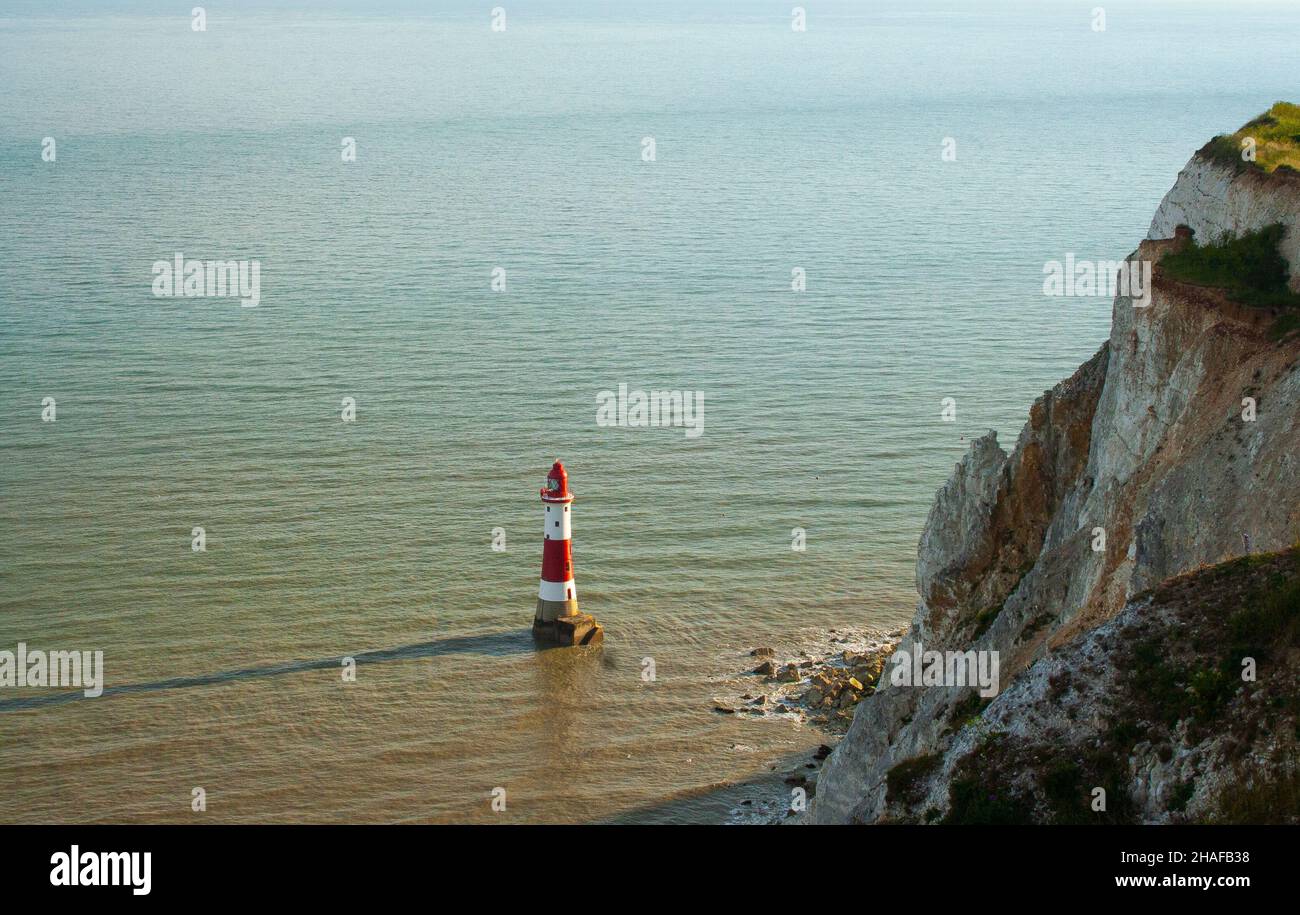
[{"x": 558, "y": 620}]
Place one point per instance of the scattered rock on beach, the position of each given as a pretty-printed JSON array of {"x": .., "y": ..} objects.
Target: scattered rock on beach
[{"x": 840, "y": 668}]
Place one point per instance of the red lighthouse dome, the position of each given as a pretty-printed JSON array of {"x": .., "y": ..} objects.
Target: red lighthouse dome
[{"x": 557, "y": 485}]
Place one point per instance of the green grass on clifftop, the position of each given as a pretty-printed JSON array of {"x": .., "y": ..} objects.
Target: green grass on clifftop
[
  {"x": 1277, "y": 141},
  {"x": 1250, "y": 269}
]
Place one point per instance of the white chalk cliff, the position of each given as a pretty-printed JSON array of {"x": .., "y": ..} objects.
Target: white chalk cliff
[{"x": 1147, "y": 442}]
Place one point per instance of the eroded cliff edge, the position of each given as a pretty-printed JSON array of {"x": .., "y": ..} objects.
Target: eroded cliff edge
[{"x": 1147, "y": 442}]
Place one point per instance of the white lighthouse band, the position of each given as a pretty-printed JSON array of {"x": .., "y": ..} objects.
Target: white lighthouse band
[
  {"x": 558, "y": 591},
  {"x": 557, "y": 524}
]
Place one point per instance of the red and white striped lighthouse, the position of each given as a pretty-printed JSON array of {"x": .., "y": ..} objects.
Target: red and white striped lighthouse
[
  {"x": 557, "y": 616},
  {"x": 558, "y": 595}
]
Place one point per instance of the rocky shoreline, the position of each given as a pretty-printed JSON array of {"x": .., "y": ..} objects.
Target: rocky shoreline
[
  {"x": 817, "y": 683},
  {"x": 815, "y": 680}
]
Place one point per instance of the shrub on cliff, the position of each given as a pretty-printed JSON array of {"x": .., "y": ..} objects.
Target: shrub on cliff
[
  {"x": 1250, "y": 269},
  {"x": 1181, "y": 718},
  {"x": 906, "y": 779}
]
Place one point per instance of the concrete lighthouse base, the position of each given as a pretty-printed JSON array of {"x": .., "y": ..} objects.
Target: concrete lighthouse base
[{"x": 568, "y": 630}]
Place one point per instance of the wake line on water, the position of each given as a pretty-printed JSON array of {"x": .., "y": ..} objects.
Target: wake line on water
[{"x": 495, "y": 643}]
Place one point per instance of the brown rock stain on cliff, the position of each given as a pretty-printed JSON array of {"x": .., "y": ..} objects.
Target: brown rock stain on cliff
[{"x": 1234, "y": 340}]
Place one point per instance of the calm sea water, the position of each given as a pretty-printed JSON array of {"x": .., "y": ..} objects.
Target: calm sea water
[{"x": 522, "y": 149}]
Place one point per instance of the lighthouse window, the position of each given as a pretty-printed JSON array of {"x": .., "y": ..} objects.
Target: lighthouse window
[{"x": 557, "y": 523}]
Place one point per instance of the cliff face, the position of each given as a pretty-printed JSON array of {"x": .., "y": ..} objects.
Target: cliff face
[
  {"x": 1144, "y": 447},
  {"x": 1215, "y": 199}
]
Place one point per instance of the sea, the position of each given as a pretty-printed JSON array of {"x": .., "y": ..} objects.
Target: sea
[{"x": 306, "y": 534}]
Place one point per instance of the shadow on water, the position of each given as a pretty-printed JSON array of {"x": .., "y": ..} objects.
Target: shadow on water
[
  {"x": 762, "y": 799},
  {"x": 517, "y": 641}
]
